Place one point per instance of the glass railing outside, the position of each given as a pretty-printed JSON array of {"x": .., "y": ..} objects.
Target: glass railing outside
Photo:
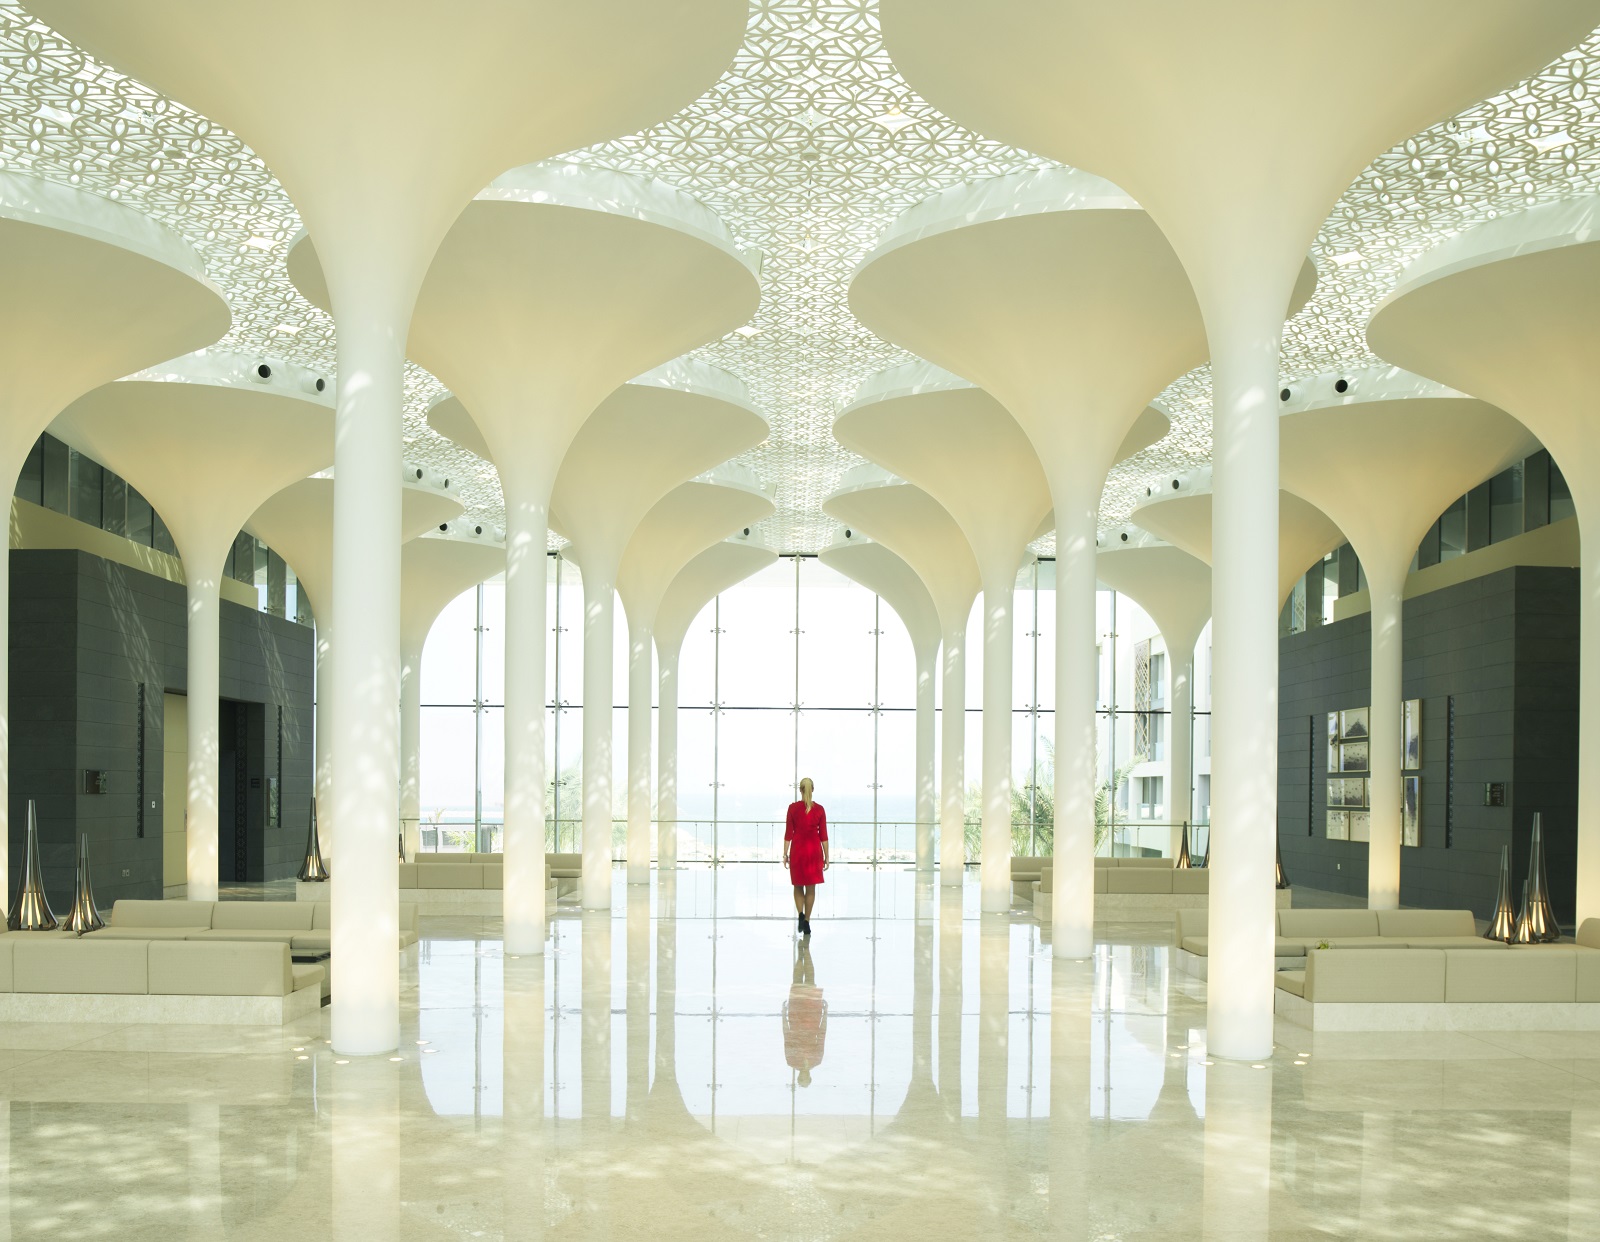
[{"x": 850, "y": 841}]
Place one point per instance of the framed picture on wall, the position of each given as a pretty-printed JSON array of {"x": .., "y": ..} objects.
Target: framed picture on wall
[
  {"x": 1353, "y": 724},
  {"x": 1411, "y": 812},
  {"x": 1338, "y": 825},
  {"x": 1333, "y": 741},
  {"x": 1355, "y": 792},
  {"x": 1360, "y": 825},
  {"x": 1335, "y": 791},
  {"x": 1353, "y": 756},
  {"x": 1411, "y": 734}
]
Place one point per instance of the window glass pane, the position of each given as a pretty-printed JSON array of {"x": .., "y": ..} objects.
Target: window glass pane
[
  {"x": 493, "y": 764},
  {"x": 897, "y": 793},
  {"x": 57, "y": 469},
  {"x": 837, "y": 650},
  {"x": 1560, "y": 494},
  {"x": 161, "y": 538},
  {"x": 446, "y": 784},
  {"x": 141, "y": 519},
  {"x": 86, "y": 480},
  {"x": 757, "y": 641},
  {"x": 494, "y": 642},
  {"x": 564, "y": 799},
  {"x": 897, "y": 661},
  {"x": 697, "y": 663},
  {"x": 30, "y": 482},
  {"x": 449, "y": 658},
  {"x": 1505, "y": 504},
  {"x": 1453, "y": 530},
  {"x": 696, "y": 753},
  {"x": 567, "y": 668},
  {"x": 114, "y": 504},
  {"x": 836, "y": 751},
  {"x": 1045, "y": 644},
  {"x": 756, "y": 768}
]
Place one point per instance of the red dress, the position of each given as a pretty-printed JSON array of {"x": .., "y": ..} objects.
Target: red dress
[{"x": 805, "y": 832}]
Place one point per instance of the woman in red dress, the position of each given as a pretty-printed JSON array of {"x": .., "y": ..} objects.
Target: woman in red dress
[{"x": 805, "y": 851}]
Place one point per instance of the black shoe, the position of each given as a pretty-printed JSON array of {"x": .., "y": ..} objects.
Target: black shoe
[
  {"x": 805, "y": 926},
  {"x": 800, "y": 925}
]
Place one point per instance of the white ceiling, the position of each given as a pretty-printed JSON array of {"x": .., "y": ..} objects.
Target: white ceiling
[{"x": 807, "y": 147}]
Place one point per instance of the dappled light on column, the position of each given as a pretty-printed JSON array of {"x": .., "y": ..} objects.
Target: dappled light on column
[
  {"x": 1383, "y": 455},
  {"x": 913, "y": 526},
  {"x": 235, "y": 438},
  {"x": 93, "y": 291},
  {"x": 1508, "y": 311},
  {"x": 1238, "y": 156}
]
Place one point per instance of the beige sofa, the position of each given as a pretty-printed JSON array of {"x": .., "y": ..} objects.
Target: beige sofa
[
  {"x": 128, "y": 979},
  {"x": 306, "y": 927},
  {"x": 468, "y": 882},
  {"x": 1299, "y": 931},
  {"x": 1533, "y": 987}
]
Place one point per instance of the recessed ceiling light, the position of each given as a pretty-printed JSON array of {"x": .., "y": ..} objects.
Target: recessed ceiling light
[{"x": 894, "y": 120}]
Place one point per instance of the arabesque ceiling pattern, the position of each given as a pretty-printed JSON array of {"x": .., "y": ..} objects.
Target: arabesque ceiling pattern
[{"x": 807, "y": 147}]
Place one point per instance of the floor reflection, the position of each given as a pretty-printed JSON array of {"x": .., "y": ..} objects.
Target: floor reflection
[{"x": 683, "y": 1065}]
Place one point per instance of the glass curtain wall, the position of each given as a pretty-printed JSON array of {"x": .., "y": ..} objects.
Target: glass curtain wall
[{"x": 797, "y": 671}]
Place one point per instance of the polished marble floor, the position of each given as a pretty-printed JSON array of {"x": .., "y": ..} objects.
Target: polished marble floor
[{"x": 682, "y": 1067}]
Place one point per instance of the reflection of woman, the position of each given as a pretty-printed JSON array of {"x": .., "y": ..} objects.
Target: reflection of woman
[
  {"x": 805, "y": 1018},
  {"x": 805, "y": 852}
]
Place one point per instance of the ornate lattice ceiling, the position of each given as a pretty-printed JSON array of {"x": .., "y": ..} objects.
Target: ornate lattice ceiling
[{"x": 807, "y": 147}]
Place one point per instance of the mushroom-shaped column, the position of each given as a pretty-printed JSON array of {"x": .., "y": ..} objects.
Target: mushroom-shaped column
[
  {"x": 297, "y": 524},
  {"x": 434, "y": 569},
  {"x": 959, "y": 445},
  {"x": 645, "y": 439},
  {"x": 921, "y": 532},
  {"x": 1057, "y": 295},
  {"x": 682, "y": 524},
  {"x": 1508, "y": 311},
  {"x": 698, "y": 583},
  {"x": 1238, "y": 156},
  {"x": 1175, "y": 589},
  {"x": 1179, "y": 510},
  {"x": 557, "y": 284},
  {"x": 205, "y": 438},
  {"x": 94, "y": 291},
  {"x": 1383, "y": 453},
  {"x": 888, "y": 576},
  {"x": 380, "y": 139}
]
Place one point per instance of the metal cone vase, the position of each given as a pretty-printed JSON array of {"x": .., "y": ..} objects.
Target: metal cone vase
[
  {"x": 1183, "y": 863},
  {"x": 1281, "y": 880},
  {"x": 313, "y": 870},
  {"x": 1503, "y": 923},
  {"x": 31, "y": 909},
  {"x": 1524, "y": 931},
  {"x": 1542, "y": 925},
  {"x": 1206, "y": 857},
  {"x": 84, "y": 915}
]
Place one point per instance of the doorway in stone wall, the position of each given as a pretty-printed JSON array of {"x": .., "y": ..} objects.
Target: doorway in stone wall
[{"x": 241, "y": 792}]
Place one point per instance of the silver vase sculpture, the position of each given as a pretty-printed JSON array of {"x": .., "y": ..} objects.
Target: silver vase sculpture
[
  {"x": 1280, "y": 880},
  {"x": 1183, "y": 863},
  {"x": 31, "y": 909},
  {"x": 1542, "y": 925},
  {"x": 84, "y": 915},
  {"x": 1503, "y": 923},
  {"x": 313, "y": 870}
]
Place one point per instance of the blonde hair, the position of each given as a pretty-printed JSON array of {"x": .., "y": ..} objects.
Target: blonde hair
[{"x": 804, "y": 781}]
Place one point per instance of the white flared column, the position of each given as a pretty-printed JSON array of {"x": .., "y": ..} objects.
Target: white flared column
[
  {"x": 926, "y": 799},
  {"x": 527, "y": 585},
  {"x": 998, "y": 591},
  {"x": 952, "y": 748},
  {"x": 1588, "y": 868},
  {"x": 203, "y": 705},
  {"x": 1244, "y": 646},
  {"x": 1077, "y": 679},
  {"x": 1180, "y": 738},
  {"x": 599, "y": 605},
  {"x": 640, "y": 649},
  {"x": 365, "y": 724},
  {"x": 667, "y": 760},
  {"x": 322, "y": 778},
  {"x": 411, "y": 751},
  {"x": 1385, "y": 584}
]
